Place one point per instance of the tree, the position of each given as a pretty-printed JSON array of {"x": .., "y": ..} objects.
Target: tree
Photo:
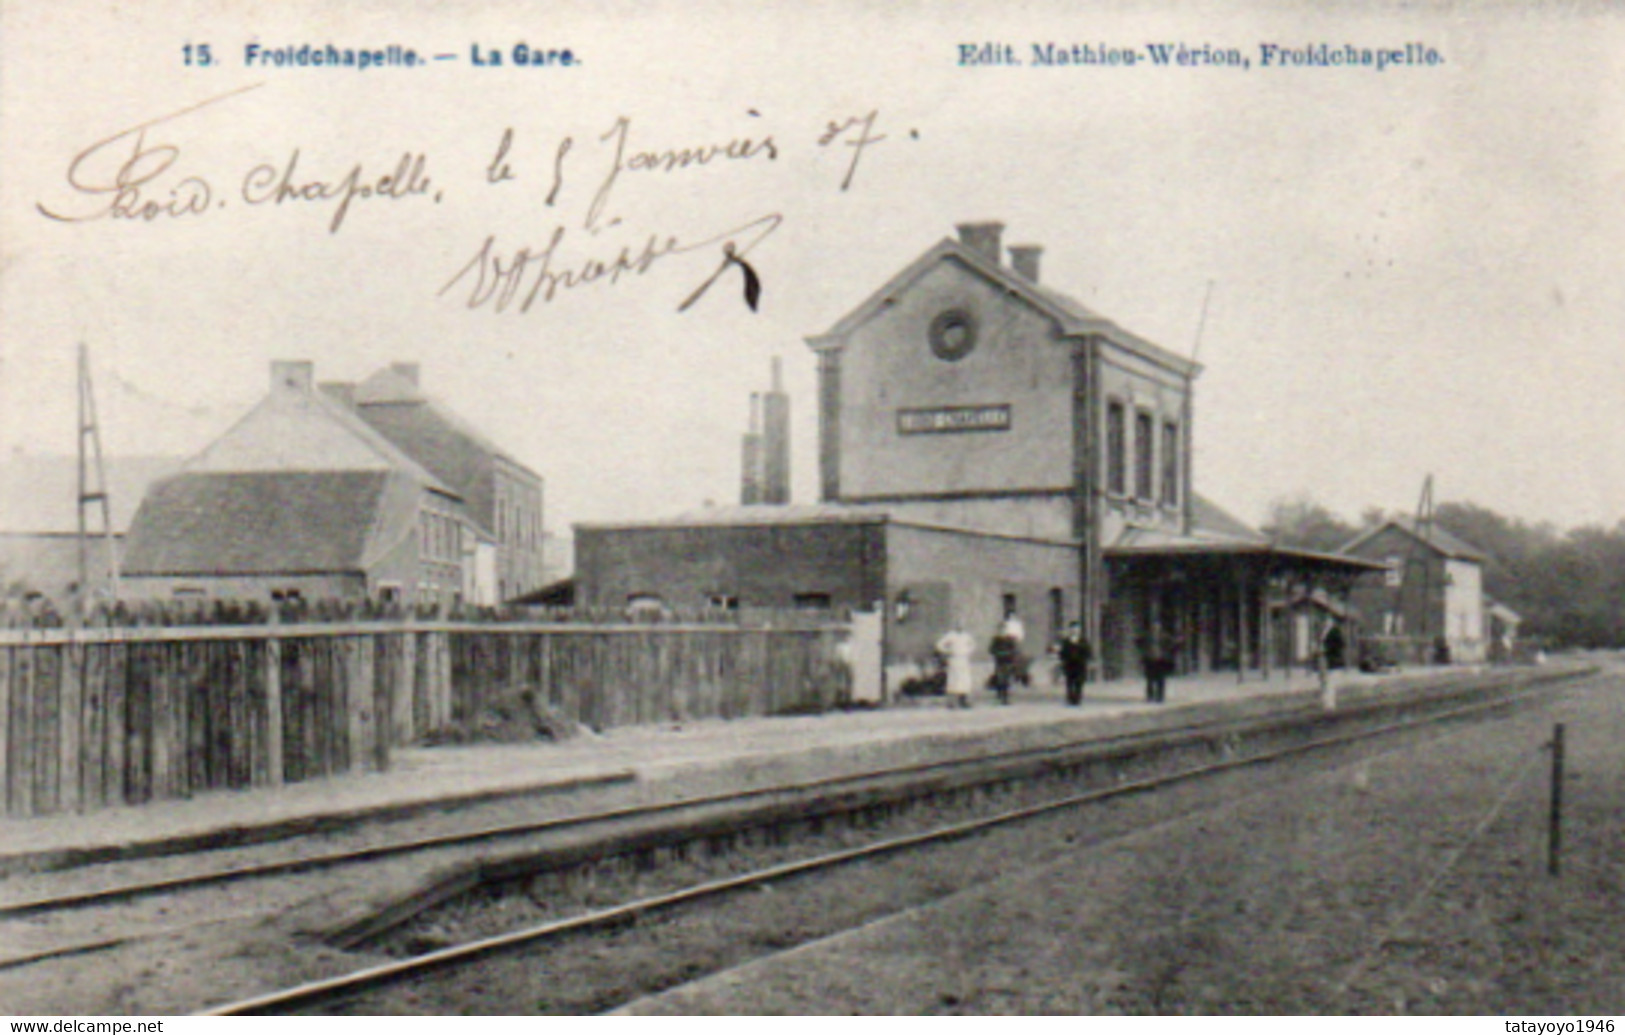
[{"x": 1302, "y": 522}]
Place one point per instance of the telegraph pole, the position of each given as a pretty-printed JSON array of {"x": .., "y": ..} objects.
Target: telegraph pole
[{"x": 92, "y": 489}]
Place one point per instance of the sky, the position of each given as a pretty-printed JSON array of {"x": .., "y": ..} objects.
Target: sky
[{"x": 1408, "y": 272}]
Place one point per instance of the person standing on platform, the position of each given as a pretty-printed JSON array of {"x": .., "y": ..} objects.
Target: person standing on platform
[
  {"x": 1075, "y": 655},
  {"x": 955, "y": 648},
  {"x": 1006, "y": 651},
  {"x": 1156, "y": 660}
]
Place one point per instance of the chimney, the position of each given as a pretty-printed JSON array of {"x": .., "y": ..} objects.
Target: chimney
[
  {"x": 1024, "y": 257},
  {"x": 340, "y": 391},
  {"x": 409, "y": 371},
  {"x": 750, "y": 480},
  {"x": 775, "y": 469},
  {"x": 292, "y": 375},
  {"x": 983, "y": 239}
]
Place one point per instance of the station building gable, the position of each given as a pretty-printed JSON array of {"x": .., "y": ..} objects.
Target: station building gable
[{"x": 964, "y": 392}]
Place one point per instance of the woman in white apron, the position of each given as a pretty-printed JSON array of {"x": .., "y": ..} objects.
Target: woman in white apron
[{"x": 955, "y": 648}]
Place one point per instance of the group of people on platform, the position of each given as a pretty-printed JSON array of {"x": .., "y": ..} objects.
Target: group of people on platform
[{"x": 1072, "y": 651}]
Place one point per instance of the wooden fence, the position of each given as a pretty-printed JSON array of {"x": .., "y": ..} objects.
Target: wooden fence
[{"x": 97, "y": 717}]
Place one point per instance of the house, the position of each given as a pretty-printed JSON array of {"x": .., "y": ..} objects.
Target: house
[
  {"x": 501, "y": 494},
  {"x": 988, "y": 445},
  {"x": 1430, "y": 588},
  {"x": 301, "y": 499}
]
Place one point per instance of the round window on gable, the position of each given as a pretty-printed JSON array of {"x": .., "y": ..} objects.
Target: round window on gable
[{"x": 953, "y": 334}]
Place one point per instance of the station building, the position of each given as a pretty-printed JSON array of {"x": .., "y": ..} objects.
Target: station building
[
  {"x": 989, "y": 445},
  {"x": 1431, "y": 589}
]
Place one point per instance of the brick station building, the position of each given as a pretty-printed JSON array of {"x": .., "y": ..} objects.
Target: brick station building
[{"x": 989, "y": 444}]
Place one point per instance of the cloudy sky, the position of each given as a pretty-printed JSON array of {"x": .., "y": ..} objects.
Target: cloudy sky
[{"x": 1415, "y": 270}]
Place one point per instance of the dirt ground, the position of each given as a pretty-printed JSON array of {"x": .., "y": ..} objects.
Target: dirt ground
[{"x": 1412, "y": 883}]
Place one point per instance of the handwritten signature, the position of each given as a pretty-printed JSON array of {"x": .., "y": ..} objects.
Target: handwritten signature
[{"x": 498, "y": 279}]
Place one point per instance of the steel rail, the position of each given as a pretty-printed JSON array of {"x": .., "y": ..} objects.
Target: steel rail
[{"x": 348, "y": 986}]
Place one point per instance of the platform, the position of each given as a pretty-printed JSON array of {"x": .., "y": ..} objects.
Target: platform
[{"x": 669, "y": 760}]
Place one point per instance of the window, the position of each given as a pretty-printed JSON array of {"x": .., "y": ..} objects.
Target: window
[
  {"x": 1143, "y": 446},
  {"x": 1170, "y": 463},
  {"x": 723, "y": 601},
  {"x": 811, "y": 601},
  {"x": 1394, "y": 577},
  {"x": 389, "y": 592},
  {"x": 1116, "y": 445}
]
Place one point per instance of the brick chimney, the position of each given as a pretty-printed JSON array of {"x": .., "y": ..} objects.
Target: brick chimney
[
  {"x": 776, "y": 440},
  {"x": 1025, "y": 257},
  {"x": 983, "y": 239},
  {"x": 408, "y": 371},
  {"x": 750, "y": 478},
  {"x": 292, "y": 375}
]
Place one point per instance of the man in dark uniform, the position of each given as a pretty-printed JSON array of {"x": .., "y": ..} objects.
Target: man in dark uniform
[
  {"x": 1075, "y": 654},
  {"x": 1156, "y": 659}
]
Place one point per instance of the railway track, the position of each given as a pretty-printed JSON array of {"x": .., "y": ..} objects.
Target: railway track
[
  {"x": 866, "y": 798},
  {"x": 604, "y": 831}
]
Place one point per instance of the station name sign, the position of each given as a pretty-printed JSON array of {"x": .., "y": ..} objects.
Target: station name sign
[{"x": 953, "y": 418}]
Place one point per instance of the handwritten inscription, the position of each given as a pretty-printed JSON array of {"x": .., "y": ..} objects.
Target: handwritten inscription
[
  {"x": 667, "y": 160},
  {"x": 141, "y": 175}
]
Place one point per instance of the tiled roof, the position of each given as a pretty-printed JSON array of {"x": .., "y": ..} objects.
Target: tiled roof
[
  {"x": 260, "y": 522},
  {"x": 1441, "y": 540}
]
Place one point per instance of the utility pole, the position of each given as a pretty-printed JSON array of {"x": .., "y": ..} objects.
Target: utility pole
[
  {"x": 92, "y": 489},
  {"x": 1422, "y": 541}
]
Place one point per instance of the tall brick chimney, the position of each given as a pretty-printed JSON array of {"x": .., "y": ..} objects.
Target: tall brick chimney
[
  {"x": 1025, "y": 257},
  {"x": 292, "y": 375},
  {"x": 983, "y": 239},
  {"x": 765, "y": 449},
  {"x": 776, "y": 440},
  {"x": 750, "y": 461}
]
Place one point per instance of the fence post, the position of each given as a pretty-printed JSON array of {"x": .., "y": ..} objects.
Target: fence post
[
  {"x": 1554, "y": 843},
  {"x": 405, "y": 688},
  {"x": 273, "y": 705},
  {"x": 70, "y": 719}
]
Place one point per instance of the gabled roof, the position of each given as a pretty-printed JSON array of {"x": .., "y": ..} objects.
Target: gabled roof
[
  {"x": 303, "y": 431},
  {"x": 1073, "y": 317},
  {"x": 257, "y": 523},
  {"x": 1437, "y": 538}
]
